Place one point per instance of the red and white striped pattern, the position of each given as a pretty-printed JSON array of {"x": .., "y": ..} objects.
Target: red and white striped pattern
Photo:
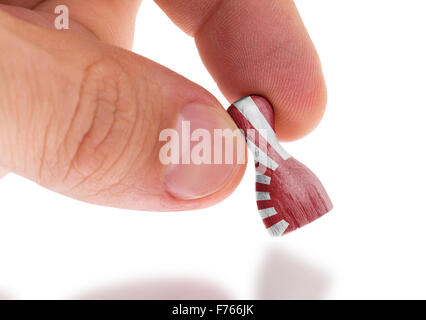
[{"x": 288, "y": 194}]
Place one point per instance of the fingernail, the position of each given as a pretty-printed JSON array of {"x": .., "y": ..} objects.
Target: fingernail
[{"x": 195, "y": 176}]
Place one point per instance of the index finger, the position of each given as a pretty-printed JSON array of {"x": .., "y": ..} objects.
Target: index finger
[{"x": 258, "y": 47}]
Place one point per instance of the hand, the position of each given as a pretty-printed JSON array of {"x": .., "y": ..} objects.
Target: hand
[{"x": 81, "y": 115}]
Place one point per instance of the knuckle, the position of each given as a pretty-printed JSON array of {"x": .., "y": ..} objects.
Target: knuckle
[{"x": 102, "y": 126}]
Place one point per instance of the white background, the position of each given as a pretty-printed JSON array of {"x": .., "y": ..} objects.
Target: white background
[{"x": 369, "y": 152}]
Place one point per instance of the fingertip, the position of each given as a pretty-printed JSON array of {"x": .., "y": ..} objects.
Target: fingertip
[
  {"x": 298, "y": 94},
  {"x": 264, "y": 49},
  {"x": 300, "y": 110}
]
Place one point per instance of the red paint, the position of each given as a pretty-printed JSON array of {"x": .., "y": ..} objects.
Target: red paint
[{"x": 295, "y": 192}]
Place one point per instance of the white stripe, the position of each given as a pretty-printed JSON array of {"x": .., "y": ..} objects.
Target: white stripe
[
  {"x": 251, "y": 112},
  {"x": 261, "y": 157},
  {"x": 262, "y": 196},
  {"x": 261, "y": 178},
  {"x": 278, "y": 229},
  {"x": 268, "y": 212}
]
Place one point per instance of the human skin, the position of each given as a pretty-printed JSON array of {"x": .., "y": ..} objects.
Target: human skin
[{"x": 80, "y": 114}]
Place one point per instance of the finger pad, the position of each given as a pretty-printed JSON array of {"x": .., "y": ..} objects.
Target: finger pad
[{"x": 264, "y": 49}]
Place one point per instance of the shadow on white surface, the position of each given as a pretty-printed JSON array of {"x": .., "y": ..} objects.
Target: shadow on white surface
[
  {"x": 4, "y": 296},
  {"x": 172, "y": 289},
  {"x": 286, "y": 276},
  {"x": 282, "y": 275}
]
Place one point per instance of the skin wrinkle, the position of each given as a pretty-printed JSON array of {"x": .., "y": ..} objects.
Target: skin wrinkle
[
  {"x": 88, "y": 176},
  {"x": 142, "y": 154},
  {"x": 144, "y": 126},
  {"x": 150, "y": 113},
  {"x": 142, "y": 151},
  {"x": 114, "y": 104},
  {"x": 73, "y": 120},
  {"x": 108, "y": 134},
  {"x": 33, "y": 87},
  {"x": 125, "y": 148},
  {"x": 98, "y": 100},
  {"x": 50, "y": 137},
  {"x": 37, "y": 104},
  {"x": 44, "y": 147},
  {"x": 119, "y": 183},
  {"x": 74, "y": 159},
  {"x": 76, "y": 109}
]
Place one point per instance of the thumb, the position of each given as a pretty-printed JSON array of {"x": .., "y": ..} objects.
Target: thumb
[{"x": 85, "y": 119}]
